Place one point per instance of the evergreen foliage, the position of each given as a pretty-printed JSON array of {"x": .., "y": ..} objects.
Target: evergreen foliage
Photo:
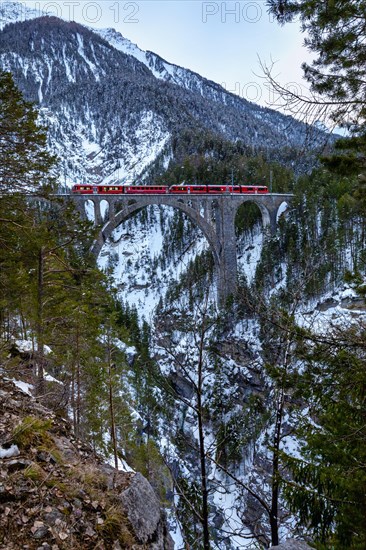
[
  {"x": 335, "y": 31},
  {"x": 329, "y": 482},
  {"x": 53, "y": 295},
  {"x": 308, "y": 254},
  {"x": 25, "y": 162}
]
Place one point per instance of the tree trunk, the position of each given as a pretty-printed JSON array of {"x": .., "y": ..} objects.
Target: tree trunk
[
  {"x": 111, "y": 405},
  {"x": 273, "y": 515},
  {"x": 202, "y": 450},
  {"x": 39, "y": 328}
]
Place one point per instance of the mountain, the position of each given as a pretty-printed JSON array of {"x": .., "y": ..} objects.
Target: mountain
[{"x": 113, "y": 110}]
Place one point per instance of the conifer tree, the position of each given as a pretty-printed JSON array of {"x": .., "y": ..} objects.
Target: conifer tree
[
  {"x": 335, "y": 31},
  {"x": 329, "y": 480},
  {"x": 24, "y": 169},
  {"x": 25, "y": 161}
]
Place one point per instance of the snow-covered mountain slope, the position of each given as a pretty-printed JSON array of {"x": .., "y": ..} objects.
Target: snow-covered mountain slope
[
  {"x": 164, "y": 70},
  {"x": 144, "y": 261},
  {"x": 112, "y": 109}
]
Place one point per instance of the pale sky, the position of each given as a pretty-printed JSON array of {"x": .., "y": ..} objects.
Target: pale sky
[{"x": 220, "y": 40}]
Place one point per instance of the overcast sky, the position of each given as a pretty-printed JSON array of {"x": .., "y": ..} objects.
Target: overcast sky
[{"x": 220, "y": 40}]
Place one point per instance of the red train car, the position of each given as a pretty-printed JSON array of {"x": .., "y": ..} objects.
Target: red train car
[
  {"x": 110, "y": 189},
  {"x": 188, "y": 189},
  {"x": 254, "y": 189},
  {"x": 223, "y": 189},
  {"x": 85, "y": 189},
  {"x": 146, "y": 189}
]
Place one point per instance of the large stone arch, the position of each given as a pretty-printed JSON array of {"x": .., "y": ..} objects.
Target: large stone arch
[
  {"x": 135, "y": 205},
  {"x": 214, "y": 215},
  {"x": 268, "y": 207}
]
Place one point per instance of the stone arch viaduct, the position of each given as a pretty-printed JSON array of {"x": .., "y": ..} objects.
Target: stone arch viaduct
[{"x": 213, "y": 214}]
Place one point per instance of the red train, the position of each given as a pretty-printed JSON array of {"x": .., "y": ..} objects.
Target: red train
[{"x": 166, "y": 189}]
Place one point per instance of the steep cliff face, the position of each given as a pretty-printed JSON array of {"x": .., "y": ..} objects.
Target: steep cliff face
[{"x": 56, "y": 493}]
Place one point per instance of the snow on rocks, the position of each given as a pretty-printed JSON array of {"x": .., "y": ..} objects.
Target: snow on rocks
[{"x": 9, "y": 452}]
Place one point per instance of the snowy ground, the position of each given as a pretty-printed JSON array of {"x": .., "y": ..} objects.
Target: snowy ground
[{"x": 135, "y": 254}]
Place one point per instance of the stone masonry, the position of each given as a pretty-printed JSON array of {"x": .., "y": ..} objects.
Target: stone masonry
[{"x": 213, "y": 214}]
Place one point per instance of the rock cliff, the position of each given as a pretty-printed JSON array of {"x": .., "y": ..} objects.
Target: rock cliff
[{"x": 55, "y": 493}]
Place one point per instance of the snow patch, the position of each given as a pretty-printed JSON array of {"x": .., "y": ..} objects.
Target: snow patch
[
  {"x": 10, "y": 452},
  {"x": 24, "y": 386}
]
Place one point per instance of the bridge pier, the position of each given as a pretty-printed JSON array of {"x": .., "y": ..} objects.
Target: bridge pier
[
  {"x": 98, "y": 220},
  {"x": 227, "y": 265},
  {"x": 112, "y": 210},
  {"x": 272, "y": 220}
]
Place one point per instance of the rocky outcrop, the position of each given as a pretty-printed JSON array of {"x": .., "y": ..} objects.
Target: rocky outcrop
[
  {"x": 56, "y": 493},
  {"x": 143, "y": 512}
]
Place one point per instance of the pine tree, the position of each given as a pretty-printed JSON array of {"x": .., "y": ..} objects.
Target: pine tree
[
  {"x": 24, "y": 169},
  {"x": 335, "y": 31},
  {"x": 329, "y": 481},
  {"x": 25, "y": 161}
]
